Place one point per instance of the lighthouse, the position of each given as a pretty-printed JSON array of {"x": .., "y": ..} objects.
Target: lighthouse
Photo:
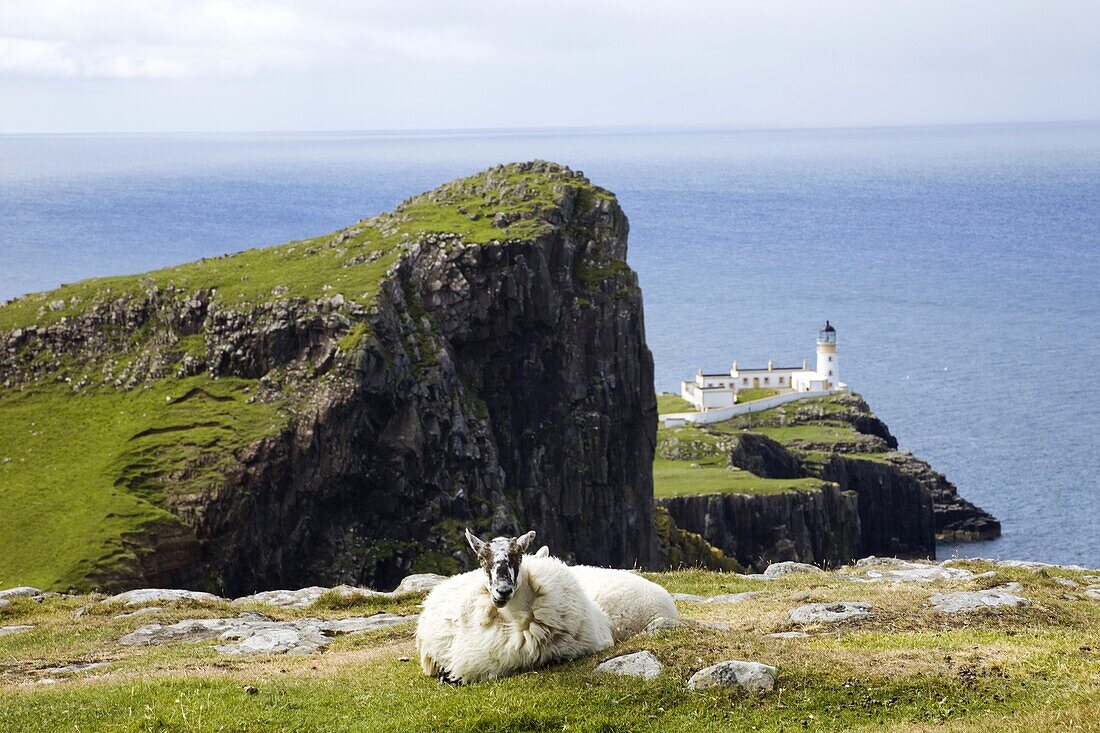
[{"x": 826, "y": 355}]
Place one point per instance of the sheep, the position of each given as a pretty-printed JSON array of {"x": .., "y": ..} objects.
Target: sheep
[
  {"x": 630, "y": 601},
  {"x": 517, "y": 612}
]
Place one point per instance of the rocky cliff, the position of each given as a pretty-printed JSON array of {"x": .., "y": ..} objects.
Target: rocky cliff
[
  {"x": 817, "y": 480},
  {"x": 336, "y": 410}
]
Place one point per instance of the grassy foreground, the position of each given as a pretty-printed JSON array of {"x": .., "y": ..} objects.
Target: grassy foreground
[{"x": 905, "y": 669}]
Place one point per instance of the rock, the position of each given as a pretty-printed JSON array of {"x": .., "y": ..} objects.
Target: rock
[
  {"x": 1093, "y": 592},
  {"x": 7, "y": 630},
  {"x": 147, "y": 611},
  {"x": 724, "y": 598},
  {"x": 301, "y": 598},
  {"x": 830, "y": 613},
  {"x": 779, "y": 569},
  {"x": 1034, "y": 565},
  {"x": 255, "y": 633},
  {"x": 76, "y": 668},
  {"x": 157, "y": 595},
  {"x": 639, "y": 664},
  {"x": 967, "y": 601},
  {"x": 903, "y": 571},
  {"x": 419, "y": 583},
  {"x": 750, "y": 676},
  {"x": 789, "y": 635},
  {"x": 1066, "y": 582},
  {"x": 23, "y": 591},
  {"x": 4, "y": 604},
  {"x": 662, "y": 623}
]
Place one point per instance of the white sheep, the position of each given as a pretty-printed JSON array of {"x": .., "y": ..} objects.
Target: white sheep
[
  {"x": 630, "y": 601},
  {"x": 515, "y": 613}
]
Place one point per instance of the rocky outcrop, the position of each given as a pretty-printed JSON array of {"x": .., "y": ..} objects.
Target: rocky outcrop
[
  {"x": 499, "y": 381},
  {"x": 763, "y": 456},
  {"x": 956, "y": 519},
  {"x": 873, "y": 498},
  {"x": 821, "y": 526},
  {"x": 895, "y": 512}
]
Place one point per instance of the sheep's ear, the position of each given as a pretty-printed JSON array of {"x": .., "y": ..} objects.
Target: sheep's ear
[
  {"x": 477, "y": 545},
  {"x": 544, "y": 551},
  {"x": 525, "y": 541}
]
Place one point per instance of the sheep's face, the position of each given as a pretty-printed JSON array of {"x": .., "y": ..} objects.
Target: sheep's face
[{"x": 500, "y": 558}]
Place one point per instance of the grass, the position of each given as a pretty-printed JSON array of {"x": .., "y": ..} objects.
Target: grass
[
  {"x": 751, "y": 395},
  {"x": 82, "y": 476},
  {"x": 711, "y": 476},
  {"x": 668, "y": 402},
  {"x": 905, "y": 669}
]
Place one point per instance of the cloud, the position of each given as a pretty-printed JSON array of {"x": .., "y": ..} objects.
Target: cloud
[{"x": 175, "y": 39}]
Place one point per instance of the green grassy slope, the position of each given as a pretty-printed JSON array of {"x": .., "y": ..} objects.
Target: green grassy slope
[
  {"x": 905, "y": 669},
  {"x": 85, "y": 470}
]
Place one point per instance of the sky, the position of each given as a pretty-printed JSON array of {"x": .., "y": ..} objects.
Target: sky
[{"x": 252, "y": 65}]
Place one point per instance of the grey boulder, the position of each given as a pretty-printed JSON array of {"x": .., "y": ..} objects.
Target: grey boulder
[
  {"x": 142, "y": 596},
  {"x": 831, "y": 613},
  {"x": 724, "y": 598},
  {"x": 639, "y": 664},
  {"x": 254, "y": 633},
  {"x": 978, "y": 600},
  {"x": 779, "y": 569},
  {"x": 749, "y": 676},
  {"x": 7, "y": 630},
  {"x": 23, "y": 591}
]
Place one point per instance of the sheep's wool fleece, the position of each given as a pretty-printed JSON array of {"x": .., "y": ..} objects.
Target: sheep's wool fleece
[
  {"x": 549, "y": 618},
  {"x": 630, "y": 601}
]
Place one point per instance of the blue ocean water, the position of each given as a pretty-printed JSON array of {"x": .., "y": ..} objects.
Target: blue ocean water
[{"x": 960, "y": 265}]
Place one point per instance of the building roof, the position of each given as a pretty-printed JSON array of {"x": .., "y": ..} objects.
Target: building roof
[
  {"x": 828, "y": 328},
  {"x": 765, "y": 370}
]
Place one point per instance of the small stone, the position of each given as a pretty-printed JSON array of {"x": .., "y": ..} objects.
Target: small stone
[
  {"x": 662, "y": 623},
  {"x": 967, "y": 601},
  {"x": 1093, "y": 592},
  {"x": 830, "y": 613},
  {"x": 639, "y": 664},
  {"x": 789, "y": 635},
  {"x": 779, "y": 569},
  {"x": 750, "y": 676},
  {"x": 23, "y": 591},
  {"x": 1065, "y": 581}
]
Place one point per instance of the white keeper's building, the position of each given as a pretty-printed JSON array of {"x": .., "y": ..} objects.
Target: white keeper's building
[{"x": 715, "y": 391}]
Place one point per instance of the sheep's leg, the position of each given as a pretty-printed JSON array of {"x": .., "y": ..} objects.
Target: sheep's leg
[{"x": 446, "y": 679}]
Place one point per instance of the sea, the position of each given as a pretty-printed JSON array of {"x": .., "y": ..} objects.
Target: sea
[{"x": 960, "y": 265}]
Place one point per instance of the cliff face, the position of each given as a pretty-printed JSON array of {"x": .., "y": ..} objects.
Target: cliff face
[
  {"x": 819, "y": 526},
  {"x": 476, "y": 358},
  {"x": 816, "y": 481}
]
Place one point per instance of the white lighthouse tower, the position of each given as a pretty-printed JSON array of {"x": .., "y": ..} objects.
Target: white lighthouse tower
[{"x": 826, "y": 356}]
